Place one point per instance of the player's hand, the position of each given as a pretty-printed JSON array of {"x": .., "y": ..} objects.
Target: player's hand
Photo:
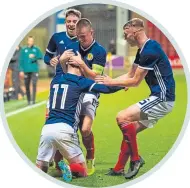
[
  {"x": 67, "y": 54},
  {"x": 77, "y": 59},
  {"x": 21, "y": 75},
  {"x": 106, "y": 80},
  {"x": 31, "y": 56},
  {"x": 54, "y": 61}
]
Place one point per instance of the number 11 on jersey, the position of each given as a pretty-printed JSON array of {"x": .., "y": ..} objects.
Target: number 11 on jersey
[{"x": 64, "y": 94}]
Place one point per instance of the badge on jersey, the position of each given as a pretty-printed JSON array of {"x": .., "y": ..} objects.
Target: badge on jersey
[{"x": 90, "y": 56}]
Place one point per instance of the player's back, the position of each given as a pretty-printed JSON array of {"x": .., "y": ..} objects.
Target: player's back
[
  {"x": 65, "y": 100},
  {"x": 160, "y": 76}
]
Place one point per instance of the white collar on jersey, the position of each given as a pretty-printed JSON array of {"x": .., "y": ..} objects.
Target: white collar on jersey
[
  {"x": 144, "y": 45},
  {"x": 85, "y": 49},
  {"x": 70, "y": 37}
]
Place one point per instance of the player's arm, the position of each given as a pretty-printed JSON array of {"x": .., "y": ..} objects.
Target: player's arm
[
  {"x": 147, "y": 63},
  {"x": 50, "y": 50},
  {"x": 65, "y": 56},
  {"x": 129, "y": 82},
  {"x": 97, "y": 69},
  {"x": 100, "y": 88},
  {"x": 88, "y": 85},
  {"x": 130, "y": 73},
  {"x": 87, "y": 72}
]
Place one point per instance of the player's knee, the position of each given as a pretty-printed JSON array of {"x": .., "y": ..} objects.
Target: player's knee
[{"x": 122, "y": 118}]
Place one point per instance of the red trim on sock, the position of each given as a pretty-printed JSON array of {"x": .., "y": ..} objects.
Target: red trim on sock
[
  {"x": 78, "y": 168},
  {"x": 123, "y": 156},
  {"x": 129, "y": 133}
]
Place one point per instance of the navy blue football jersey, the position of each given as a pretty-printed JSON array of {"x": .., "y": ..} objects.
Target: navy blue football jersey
[
  {"x": 56, "y": 46},
  {"x": 66, "y": 94},
  {"x": 160, "y": 76},
  {"x": 94, "y": 56}
]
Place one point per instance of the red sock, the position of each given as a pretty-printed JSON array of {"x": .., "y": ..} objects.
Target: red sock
[
  {"x": 78, "y": 169},
  {"x": 129, "y": 133},
  {"x": 58, "y": 157},
  {"x": 88, "y": 142},
  {"x": 123, "y": 156}
]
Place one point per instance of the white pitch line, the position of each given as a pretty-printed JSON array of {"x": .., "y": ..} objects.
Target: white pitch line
[{"x": 24, "y": 109}]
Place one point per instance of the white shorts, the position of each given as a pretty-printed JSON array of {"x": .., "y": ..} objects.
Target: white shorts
[
  {"x": 89, "y": 105},
  {"x": 59, "y": 136},
  {"x": 153, "y": 109}
]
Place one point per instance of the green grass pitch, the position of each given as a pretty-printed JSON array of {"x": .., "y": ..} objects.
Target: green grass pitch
[{"x": 153, "y": 143}]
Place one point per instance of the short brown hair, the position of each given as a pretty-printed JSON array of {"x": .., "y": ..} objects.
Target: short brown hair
[
  {"x": 72, "y": 11},
  {"x": 135, "y": 22},
  {"x": 84, "y": 22},
  {"x": 30, "y": 37}
]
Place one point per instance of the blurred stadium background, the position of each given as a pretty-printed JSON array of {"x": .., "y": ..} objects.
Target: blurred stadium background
[
  {"x": 154, "y": 143},
  {"x": 107, "y": 21}
]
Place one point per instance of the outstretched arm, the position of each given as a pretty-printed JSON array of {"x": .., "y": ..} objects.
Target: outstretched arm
[
  {"x": 100, "y": 88},
  {"x": 128, "y": 82}
]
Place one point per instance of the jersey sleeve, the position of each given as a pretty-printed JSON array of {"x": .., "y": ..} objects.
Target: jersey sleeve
[
  {"x": 100, "y": 88},
  {"x": 88, "y": 85},
  {"x": 147, "y": 61},
  {"x": 50, "y": 50},
  {"x": 99, "y": 62}
]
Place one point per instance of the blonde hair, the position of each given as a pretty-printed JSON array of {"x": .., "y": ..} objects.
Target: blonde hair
[
  {"x": 135, "y": 22},
  {"x": 84, "y": 22}
]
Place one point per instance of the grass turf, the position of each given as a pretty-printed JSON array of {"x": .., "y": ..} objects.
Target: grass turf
[{"x": 153, "y": 143}]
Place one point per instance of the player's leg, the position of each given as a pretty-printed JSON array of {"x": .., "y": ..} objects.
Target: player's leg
[
  {"x": 46, "y": 150},
  {"x": 124, "y": 154},
  {"x": 87, "y": 136},
  {"x": 88, "y": 111},
  {"x": 151, "y": 109},
  {"x": 58, "y": 156},
  {"x": 68, "y": 145},
  {"x": 126, "y": 120},
  {"x": 88, "y": 142},
  {"x": 78, "y": 166}
]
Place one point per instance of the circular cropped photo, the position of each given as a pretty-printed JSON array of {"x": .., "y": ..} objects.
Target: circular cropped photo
[{"x": 95, "y": 95}]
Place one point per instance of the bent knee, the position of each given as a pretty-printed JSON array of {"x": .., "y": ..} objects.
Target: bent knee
[{"x": 123, "y": 117}]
